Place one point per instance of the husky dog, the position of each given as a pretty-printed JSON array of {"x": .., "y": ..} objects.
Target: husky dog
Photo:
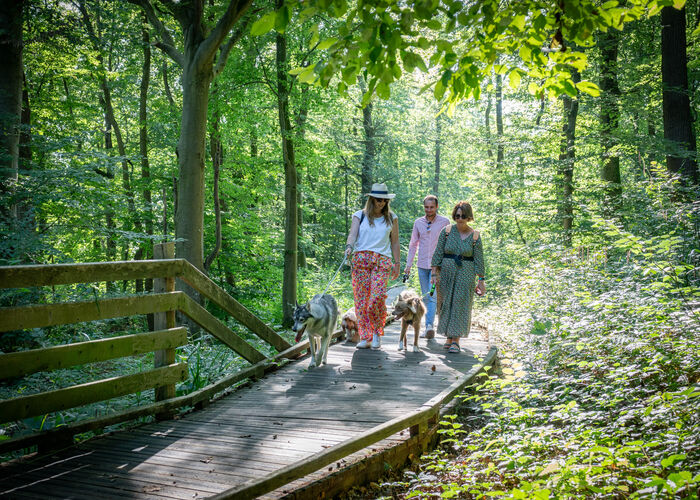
[
  {"x": 317, "y": 318},
  {"x": 349, "y": 325},
  {"x": 410, "y": 308}
]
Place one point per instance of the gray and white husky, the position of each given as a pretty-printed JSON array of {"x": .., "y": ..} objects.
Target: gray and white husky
[{"x": 317, "y": 318}]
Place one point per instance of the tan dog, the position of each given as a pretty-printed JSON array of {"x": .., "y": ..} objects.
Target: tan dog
[
  {"x": 349, "y": 326},
  {"x": 410, "y": 308}
]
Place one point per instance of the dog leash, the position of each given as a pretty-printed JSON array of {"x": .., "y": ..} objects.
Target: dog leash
[{"x": 336, "y": 273}]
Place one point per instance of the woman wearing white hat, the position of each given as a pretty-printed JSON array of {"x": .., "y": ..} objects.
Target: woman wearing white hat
[{"x": 374, "y": 237}]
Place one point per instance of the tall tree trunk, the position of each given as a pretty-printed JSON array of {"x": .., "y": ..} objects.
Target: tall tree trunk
[
  {"x": 609, "y": 119},
  {"x": 487, "y": 127},
  {"x": 300, "y": 122},
  {"x": 500, "y": 153},
  {"x": 11, "y": 46},
  {"x": 26, "y": 217},
  {"x": 681, "y": 157},
  {"x": 289, "y": 284},
  {"x": 438, "y": 142},
  {"x": 189, "y": 219},
  {"x": 145, "y": 249},
  {"x": 217, "y": 158},
  {"x": 567, "y": 159},
  {"x": 370, "y": 152}
]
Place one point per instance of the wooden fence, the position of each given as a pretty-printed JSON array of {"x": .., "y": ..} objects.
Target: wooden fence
[{"x": 163, "y": 303}]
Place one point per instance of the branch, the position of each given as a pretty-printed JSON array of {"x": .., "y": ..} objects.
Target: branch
[
  {"x": 226, "y": 49},
  {"x": 167, "y": 43},
  {"x": 207, "y": 49},
  {"x": 174, "y": 54}
]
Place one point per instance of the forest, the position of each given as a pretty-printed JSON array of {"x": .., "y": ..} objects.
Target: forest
[{"x": 248, "y": 132}]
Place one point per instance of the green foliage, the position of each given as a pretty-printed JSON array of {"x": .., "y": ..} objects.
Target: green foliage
[
  {"x": 463, "y": 42},
  {"x": 598, "y": 395}
]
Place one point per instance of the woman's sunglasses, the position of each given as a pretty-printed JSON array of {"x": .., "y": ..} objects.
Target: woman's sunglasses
[{"x": 460, "y": 216}]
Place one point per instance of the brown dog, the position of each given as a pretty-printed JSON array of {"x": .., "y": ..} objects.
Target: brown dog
[
  {"x": 410, "y": 308},
  {"x": 349, "y": 326}
]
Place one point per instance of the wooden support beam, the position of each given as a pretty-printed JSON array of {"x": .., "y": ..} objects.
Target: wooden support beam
[
  {"x": 62, "y": 274},
  {"x": 91, "y": 392},
  {"x": 164, "y": 357},
  {"x": 16, "y": 364},
  {"x": 19, "y": 318},
  {"x": 200, "y": 282},
  {"x": 204, "y": 319}
]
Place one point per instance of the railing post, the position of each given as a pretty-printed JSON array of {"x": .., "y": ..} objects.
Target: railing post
[{"x": 162, "y": 321}]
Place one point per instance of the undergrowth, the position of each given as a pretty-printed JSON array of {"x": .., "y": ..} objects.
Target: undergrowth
[{"x": 599, "y": 395}]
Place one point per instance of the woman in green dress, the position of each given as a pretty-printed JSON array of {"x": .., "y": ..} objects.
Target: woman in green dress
[{"x": 457, "y": 261}]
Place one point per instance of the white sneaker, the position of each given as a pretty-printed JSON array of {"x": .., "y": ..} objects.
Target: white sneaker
[
  {"x": 425, "y": 335},
  {"x": 362, "y": 344},
  {"x": 376, "y": 343}
]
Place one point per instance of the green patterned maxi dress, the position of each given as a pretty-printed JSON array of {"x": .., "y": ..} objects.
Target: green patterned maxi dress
[{"x": 457, "y": 282}]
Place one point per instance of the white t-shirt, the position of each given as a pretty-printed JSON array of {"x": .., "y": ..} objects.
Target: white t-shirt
[{"x": 374, "y": 238}]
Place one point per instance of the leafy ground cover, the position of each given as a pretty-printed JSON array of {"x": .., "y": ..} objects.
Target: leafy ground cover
[{"x": 599, "y": 395}]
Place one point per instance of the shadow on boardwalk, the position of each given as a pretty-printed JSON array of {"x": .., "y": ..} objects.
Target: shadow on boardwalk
[{"x": 285, "y": 417}]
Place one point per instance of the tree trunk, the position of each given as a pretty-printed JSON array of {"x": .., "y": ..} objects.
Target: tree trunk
[
  {"x": 289, "y": 284},
  {"x": 217, "y": 158},
  {"x": 499, "y": 152},
  {"x": 438, "y": 141},
  {"x": 370, "y": 151},
  {"x": 300, "y": 122},
  {"x": 145, "y": 249},
  {"x": 609, "y": 119},
  {"x": 681, "y": 157},
  {"x": 487, "y": 127},
  {"x": 189, "y": 219},
  {"x": 567, "y": 158},
  {"x": 11, "y": 46}
]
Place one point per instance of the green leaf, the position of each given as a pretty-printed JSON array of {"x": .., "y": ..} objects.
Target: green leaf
[
  {"x": 514, "y": 78},
  {"x": 671, "y": 460},
  {"x": 282, "y": 19},
  {"x": 519, "y": 22},
  {"x": 327, "y": 43},
  {"x": 308, "y": 75},
  {"x": 589, "y": 88},
  {"x": 264, "y": 24}
]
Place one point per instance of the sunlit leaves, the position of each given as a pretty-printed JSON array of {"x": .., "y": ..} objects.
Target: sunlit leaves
[{"x": 263, "y": 25}]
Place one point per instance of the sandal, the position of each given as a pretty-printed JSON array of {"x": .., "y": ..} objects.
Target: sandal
[
  {"x": 447, "y": 345},
  {"x": 454, "y": 348}
]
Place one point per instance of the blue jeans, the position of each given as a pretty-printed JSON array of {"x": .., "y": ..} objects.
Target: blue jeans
[{"x": 430, "y": 302}]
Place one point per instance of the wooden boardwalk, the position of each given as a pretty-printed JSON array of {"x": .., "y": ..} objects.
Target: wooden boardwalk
[{"x": 287, "y": 416}]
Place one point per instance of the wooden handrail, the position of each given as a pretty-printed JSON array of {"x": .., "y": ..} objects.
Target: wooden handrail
[
  {"x": 257, "y": 487},
  {"x": 18, "y": 318},
  {"x": 65, "y": 274},
  {"x": 17, "y": 364},
  {"x": 62, "y": 274},
  {"x": 204, "y": 285},
  {"x": 168, "y": 269},
  {"x": 204, "y": 319},
  {"x": 91, "y": 392}
]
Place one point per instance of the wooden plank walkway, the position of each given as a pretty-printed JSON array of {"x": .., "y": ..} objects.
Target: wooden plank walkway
[{"x": 288, "y": 415}]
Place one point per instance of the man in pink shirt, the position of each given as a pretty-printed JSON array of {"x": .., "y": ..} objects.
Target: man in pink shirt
[{"x": 424, "y": 239}]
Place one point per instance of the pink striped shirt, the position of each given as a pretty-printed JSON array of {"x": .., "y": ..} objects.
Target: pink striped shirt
[{"x": 424, "y": 239}]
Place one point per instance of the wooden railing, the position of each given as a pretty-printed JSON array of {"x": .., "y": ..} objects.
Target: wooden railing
[{"x": 164, "y": 302}]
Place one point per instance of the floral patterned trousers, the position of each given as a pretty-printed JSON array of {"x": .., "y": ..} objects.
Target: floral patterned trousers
[{"x": 370, "y": 275}]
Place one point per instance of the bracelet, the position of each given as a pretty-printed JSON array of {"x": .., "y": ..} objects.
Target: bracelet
[
  {"x": 349, "y": 246},
  {"x": 482, "y": 279}
]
